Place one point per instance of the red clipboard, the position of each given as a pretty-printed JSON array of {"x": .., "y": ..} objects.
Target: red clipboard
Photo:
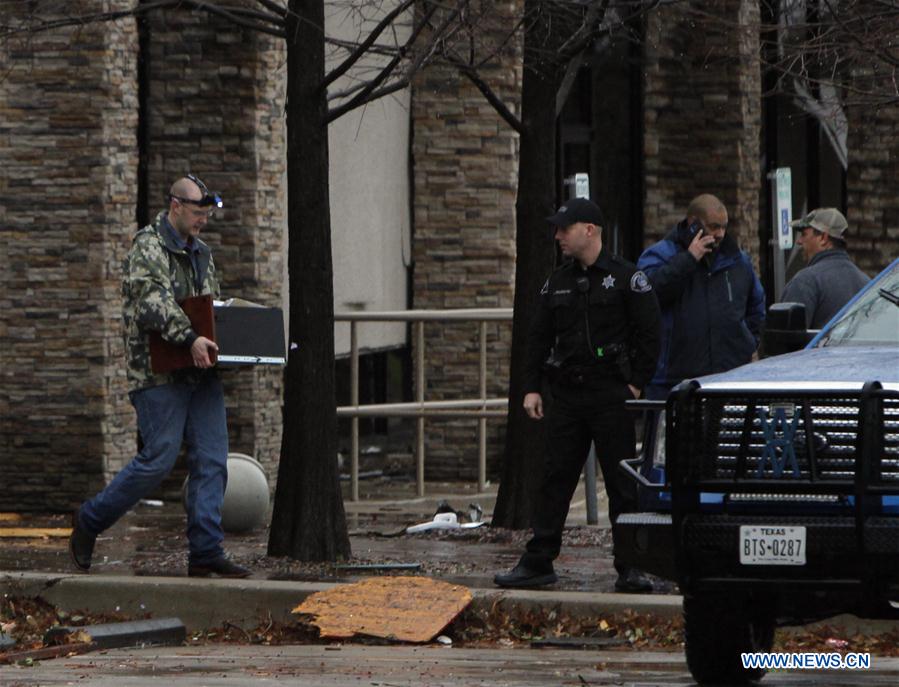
[{"x": 168, "y": 357}]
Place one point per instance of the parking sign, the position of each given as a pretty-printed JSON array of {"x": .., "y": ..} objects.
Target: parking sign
[{"x": 784, "y": 200}]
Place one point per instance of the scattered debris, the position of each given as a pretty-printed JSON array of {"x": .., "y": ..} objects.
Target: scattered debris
[
  {"x": 365, "y": 474},
  {"x": 34, "y": 532},
  {"x": 577, "y": 642},
  {"x": 406, "y": 609},
  {"x": 27, "y": 658},
  {"x": 159, "y": 632},
  {"x": 6, "y": 642},
  {"x": 376, "y": 567},
  {"x": 443, "y": 521}
]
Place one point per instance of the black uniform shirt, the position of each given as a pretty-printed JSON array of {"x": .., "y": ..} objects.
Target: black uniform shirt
[{"x": 623, "y": 314}]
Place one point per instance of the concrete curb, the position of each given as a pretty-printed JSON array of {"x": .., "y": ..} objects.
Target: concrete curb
[{"x": 205, "y": 603}]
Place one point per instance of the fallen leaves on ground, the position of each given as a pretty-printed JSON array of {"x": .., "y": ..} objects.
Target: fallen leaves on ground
[{"x": 27, "y": 619}]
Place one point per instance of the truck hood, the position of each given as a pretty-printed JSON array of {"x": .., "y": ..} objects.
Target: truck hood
[{"x": 835, "y": 368}]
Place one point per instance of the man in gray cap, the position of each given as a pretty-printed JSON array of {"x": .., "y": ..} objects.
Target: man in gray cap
[{"x": 831, "y": 278}]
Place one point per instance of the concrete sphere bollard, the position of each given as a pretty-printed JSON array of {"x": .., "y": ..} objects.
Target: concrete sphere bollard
[{"x": 246, "y": 495}]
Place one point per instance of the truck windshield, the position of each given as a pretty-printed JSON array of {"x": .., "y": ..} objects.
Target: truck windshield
[{"x": 873, "y": 320}]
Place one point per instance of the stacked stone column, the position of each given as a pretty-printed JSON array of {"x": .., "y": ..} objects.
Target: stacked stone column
[
  {"x": 68, "y": 194},
  {"x": 68, "y": 113},
  {"x": 465, "y": 170},
  {"x": 702, "y": 116}
]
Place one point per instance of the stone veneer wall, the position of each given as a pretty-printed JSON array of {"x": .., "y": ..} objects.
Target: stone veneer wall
[
  {"x": 465, "y": 178},
  {"x": 702, "y": 116},
  {"x": 68, "y": 115},
  {"x": 217, "y": 110},
  {"x": 873, "y": 200}
]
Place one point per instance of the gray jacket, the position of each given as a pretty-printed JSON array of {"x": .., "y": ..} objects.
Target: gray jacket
[{"x": 824, "y": 286}]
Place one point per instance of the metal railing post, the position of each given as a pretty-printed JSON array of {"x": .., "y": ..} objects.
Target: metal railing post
[
  {"x": 420, "y": 397},
  {"x": 482, "y": 421},
  {"x": 481, "y": 408},
  {"x": 354, "y": 401}
]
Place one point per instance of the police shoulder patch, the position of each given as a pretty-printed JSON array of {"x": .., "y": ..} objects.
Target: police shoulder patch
[{"x": 639, "y": 283}]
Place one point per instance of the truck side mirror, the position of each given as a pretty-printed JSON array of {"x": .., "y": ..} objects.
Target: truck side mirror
[{"x": 785, "y": 329}]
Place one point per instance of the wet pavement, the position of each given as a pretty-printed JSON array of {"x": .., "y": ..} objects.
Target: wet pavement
[
  {"x": 394, "y": 666},
  {"x": 149, "y": 541}
]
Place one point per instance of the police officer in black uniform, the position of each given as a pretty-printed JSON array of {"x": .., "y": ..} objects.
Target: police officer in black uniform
[{"x": 599, "y": 318}]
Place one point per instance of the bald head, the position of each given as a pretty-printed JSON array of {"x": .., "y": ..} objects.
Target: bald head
[
  {"x": 704, "y": 205},
  {"x": 185, "y": 188},
  {"x": 711, "y": 214}
]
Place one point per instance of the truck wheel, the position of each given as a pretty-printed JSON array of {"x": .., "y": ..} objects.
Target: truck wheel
[{"x": 717, "y": 629}]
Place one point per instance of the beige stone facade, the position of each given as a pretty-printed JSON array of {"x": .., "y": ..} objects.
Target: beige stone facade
[
  {"x": 465, "y": 176},
  {"x": 873, "y": 186},
  {"x": 67, "y": 181},
  {"x": 69, "y": 108},
  {"x": 702, "y": 117}
]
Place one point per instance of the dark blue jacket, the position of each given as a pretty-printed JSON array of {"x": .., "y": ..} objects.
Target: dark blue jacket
[{"x": 711, "y": 317}]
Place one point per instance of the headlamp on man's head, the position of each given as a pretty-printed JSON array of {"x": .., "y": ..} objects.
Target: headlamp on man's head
[{"x": 209, "y": 198}]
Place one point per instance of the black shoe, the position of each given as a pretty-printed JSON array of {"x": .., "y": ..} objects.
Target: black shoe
[
  {"x": 633, "y": 582},
  {"x": 220, "y": 567},
  {"x": 81, "y": 545},
  {"x": 522, "y": 576}
]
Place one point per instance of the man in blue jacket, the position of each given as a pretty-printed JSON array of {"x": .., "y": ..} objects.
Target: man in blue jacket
[{"x": 713, "y": 304}]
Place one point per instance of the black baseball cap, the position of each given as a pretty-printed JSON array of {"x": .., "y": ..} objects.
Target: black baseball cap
[{"x": 577, "y": 210}]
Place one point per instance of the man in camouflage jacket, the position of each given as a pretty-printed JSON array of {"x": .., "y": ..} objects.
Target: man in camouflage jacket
[{"x": 166, "y": 264}]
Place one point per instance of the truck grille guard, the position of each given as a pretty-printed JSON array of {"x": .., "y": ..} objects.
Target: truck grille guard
[
  {"x": 773, "y": 445},
  {"x": 784, "y": 442}
]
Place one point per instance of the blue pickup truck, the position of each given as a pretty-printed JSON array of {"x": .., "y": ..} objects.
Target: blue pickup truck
[{"x": 771, "y": 492}]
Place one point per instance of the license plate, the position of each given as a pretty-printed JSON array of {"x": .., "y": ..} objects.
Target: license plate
[{"x": 772, "y": 545}]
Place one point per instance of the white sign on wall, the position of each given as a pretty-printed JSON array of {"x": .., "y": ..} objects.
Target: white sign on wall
[{"x": 784, "y": 205}]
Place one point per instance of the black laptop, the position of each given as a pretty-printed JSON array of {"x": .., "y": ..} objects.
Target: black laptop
[{"x": 249, "y": 335}]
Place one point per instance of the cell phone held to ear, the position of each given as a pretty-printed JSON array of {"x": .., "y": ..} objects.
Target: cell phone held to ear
[{"x": 695, "y": 228}]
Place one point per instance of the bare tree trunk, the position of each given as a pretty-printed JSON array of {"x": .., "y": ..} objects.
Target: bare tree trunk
[
  {"x": 308, "y": 522},
  {"x": 525, "y": 442}
]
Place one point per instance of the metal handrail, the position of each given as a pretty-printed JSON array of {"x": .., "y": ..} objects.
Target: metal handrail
[{"x": 480, "y": 408}]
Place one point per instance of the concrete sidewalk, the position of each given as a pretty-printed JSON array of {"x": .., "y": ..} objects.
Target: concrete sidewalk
[
  {"x": 140, "y": 564},
  {"x": 206, "y": 603}
]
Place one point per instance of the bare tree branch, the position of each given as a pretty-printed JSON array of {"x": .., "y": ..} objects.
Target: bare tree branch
[
  {"x": 365, "y": 94},
  {"x": 489, "y": 94},
  {"x": 273, "y": 7},
  {"x": 7, "y": 31},
  {"x": 363, "y": 47},
  {"x": 228, "y": 13}
]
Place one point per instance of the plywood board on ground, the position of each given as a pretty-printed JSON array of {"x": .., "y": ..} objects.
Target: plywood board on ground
[{"x": 401, "y": 608}]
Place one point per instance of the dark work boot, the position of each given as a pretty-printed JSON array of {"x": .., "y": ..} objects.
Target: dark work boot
[
  {"x": 81, "y": 544},
  {"x": 218, "y": 567},
  {"x": 633, "y": 582},
  {"x": 523, "y": 576}
]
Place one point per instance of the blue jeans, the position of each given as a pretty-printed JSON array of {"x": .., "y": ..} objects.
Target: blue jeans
[{"x": 166, "y": 416}]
